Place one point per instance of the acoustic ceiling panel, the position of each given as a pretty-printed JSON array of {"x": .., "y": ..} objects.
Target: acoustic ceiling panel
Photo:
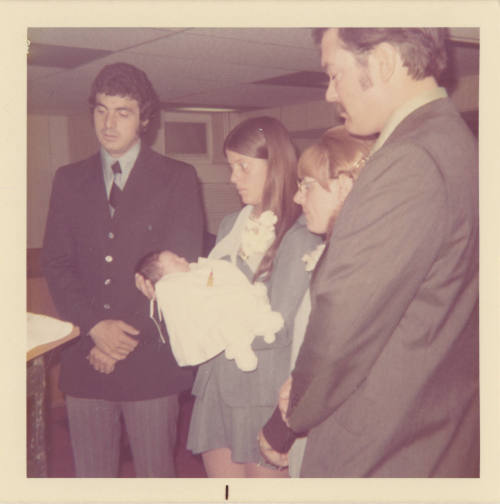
[
  {"x": 62, "y": 56},
  {"x": 233, "y": 51},
  {"x": 113, "y": 39}
]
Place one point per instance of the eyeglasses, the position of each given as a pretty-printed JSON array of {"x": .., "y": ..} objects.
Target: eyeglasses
[{"x": 304, "y": 185}]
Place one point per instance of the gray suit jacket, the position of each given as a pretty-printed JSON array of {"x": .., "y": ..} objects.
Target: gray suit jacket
[
  {"x": 286, "y": 287},
  {"x": 386, "y": 382}
]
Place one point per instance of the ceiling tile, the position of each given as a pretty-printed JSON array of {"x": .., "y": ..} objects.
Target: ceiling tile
[
  {"x": 239, "y": 52},
  {"x": 294, "y": 37},
  {"x": 62, "y": 56},
  {"x": 465, "y": 34},
  {"x": 36, "y": 72},
  {"x": 113, "y": 39},
  {"x": 199, "y": 66}
]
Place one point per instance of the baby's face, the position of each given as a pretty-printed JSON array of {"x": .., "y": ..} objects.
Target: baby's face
[{"x": 172, "y": 263}]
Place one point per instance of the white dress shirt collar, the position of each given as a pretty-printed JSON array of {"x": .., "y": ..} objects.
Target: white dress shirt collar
[
  {"x": 404, "y": 111},
  {"x": 127, "y": 162}
]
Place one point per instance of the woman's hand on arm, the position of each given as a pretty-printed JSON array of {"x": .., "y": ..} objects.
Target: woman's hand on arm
[{"x": 275, "y": 458}]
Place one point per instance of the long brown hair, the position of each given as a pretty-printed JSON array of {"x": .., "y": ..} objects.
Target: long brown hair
[{"x": 266, "y": 138}]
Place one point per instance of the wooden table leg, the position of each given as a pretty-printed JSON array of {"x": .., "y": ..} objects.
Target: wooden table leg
[{"x": 36, "y": 415}]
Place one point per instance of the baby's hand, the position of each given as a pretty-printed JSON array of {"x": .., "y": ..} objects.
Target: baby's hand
[{"x": 145, "y": 286}]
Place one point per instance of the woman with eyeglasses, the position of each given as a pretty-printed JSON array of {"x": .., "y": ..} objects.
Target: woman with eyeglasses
[
  {"x": 327, "y": 171},
  {"x": 266, "y": 240}
]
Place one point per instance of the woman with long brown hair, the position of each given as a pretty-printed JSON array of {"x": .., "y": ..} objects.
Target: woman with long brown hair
[{"x": 267, "y": 241}]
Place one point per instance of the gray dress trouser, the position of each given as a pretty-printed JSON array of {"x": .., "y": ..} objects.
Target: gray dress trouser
[{"x": 95, "y": 430}]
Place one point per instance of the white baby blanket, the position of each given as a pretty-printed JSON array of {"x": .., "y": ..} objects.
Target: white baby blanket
[{"x": 214, "y": 308}]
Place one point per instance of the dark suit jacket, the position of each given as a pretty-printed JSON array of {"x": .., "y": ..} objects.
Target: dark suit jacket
[
  {"x": 386, "y": 381},
  {"x": 89, "y": 260}
]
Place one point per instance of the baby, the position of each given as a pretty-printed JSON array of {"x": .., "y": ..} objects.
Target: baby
[{"x": 209, "y": 307}]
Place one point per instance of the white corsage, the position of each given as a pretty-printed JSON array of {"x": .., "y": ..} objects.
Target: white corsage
[
  {"x": 312, "y": 258},
  {"x": 258, "y": 235}
]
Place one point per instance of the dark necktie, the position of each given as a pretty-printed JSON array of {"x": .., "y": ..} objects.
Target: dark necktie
[{"x": 116, "y": 192}]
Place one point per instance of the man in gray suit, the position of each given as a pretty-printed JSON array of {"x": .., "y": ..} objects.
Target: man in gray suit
[{"x": 386, "y": 382}]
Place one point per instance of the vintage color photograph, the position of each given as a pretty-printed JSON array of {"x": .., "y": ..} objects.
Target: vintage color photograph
[
  {"x": 189, "y": 148},
  {"x": 253, "y": 252}
]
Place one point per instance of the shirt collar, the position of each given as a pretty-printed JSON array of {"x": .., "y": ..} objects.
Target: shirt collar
[
  {"x": 404, "y": 111},
  {"x": 127, "y": 162}
]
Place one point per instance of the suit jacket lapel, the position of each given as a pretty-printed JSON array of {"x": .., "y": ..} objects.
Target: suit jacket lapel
[
  {"x": 137, "y": 189},
  {"x": 95, "y": 190}
]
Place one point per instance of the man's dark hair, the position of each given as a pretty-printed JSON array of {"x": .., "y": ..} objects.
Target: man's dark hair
[
  {"x": 423, "y": 50},
  {"x": 149, "y": 267},
  {"x": 122, "y": 79}
]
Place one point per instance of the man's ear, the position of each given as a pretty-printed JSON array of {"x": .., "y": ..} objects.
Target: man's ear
[
  {"x": 386, "y": 59},
  {"x": 144, "y": 124}
]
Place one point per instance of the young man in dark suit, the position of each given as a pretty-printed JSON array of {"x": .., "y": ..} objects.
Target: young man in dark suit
[
  {"x": 106, "y": 212},
  {"x": 386, "y": 381}
]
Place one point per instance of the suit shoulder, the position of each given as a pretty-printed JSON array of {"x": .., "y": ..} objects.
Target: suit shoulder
[
  {"x": 79, "y": 166},
  {"x": 167, "y": 163},
  {"x": 436, "y": 129}
]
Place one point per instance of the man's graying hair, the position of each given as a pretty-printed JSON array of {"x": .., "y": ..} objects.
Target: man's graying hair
[{"x": 422, "y": 50}]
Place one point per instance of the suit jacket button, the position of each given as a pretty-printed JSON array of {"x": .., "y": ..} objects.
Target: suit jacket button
[
  {"x": 111, "y": 235},
  {"x": 150, "y": 227},
  {"x": 107, "y": 306},
  {"x": 108, "y": 258},
  {"x": 107, "y": 281}
]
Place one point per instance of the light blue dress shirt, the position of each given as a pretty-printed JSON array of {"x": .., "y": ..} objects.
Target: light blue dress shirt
[{"x": 127, "y": 162}]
